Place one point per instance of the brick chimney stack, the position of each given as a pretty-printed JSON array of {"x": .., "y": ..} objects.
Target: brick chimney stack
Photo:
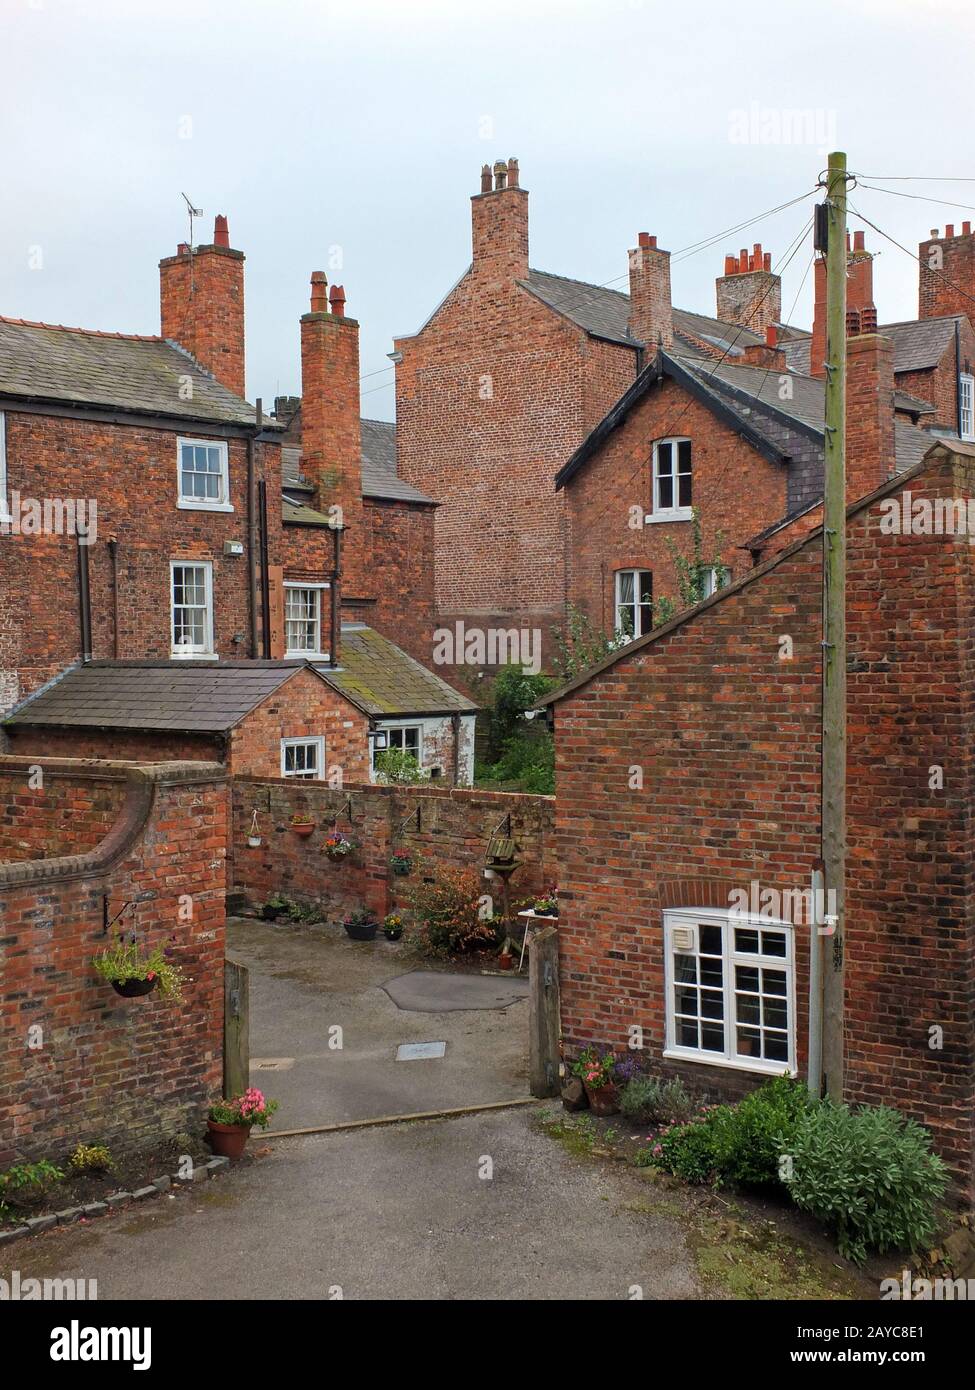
[
  {"x": 331, "y": 435},
  {"x": 870, "y": 442},
  {"x": 767, "y": 354},
  {"x": 749, "y": 293},
  {"x": 499, "y": 225},
  {"x": 651, "y": 319},
  {"x": 861, "y": 312},
  {"x": 201, "y": 301},
  {"x": 946, "y": 273}
]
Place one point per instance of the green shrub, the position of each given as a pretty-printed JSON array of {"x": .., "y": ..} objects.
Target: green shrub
[
  {"x": 649, "y": 1100},
  {"x": 741, "y": 1143},
  {"x": 397, "y": 767},
  {"x": 870, "y": 1175},
  {"x": 449, "y": 909},
  {"x": 27, "y": 1182}
]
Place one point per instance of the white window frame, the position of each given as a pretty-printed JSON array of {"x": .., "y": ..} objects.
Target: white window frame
[
  {"x": 4, "y": 505},
  {"x": 711, "y": 585},
  {"x": 389, "y": 730},
  {"x": 321, "y": 589},
  {"x": 635, "y": 604},
  {"x": 727, "y": 920},
  {"x": 314, "y": 741},
  {"x": 185, "y": 653},
  {"x": 204, "y": 504},
  {"x": 966, "y": 407},
  {"x": 675, "y": 512}
]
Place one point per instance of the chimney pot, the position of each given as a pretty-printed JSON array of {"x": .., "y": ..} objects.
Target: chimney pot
[
  {"x": 512, "y": 173},
  {"x": 337, "y": 299},
  {"x": 743, "y": 260},
  {"x": 858, "y": 241},
  {"x": 319, "y": 292},
  {"x": 643, "y": 239},
  {"x": 949, "y": 229},
  {"x": 730, "y": 265},
  {"x": 934, "y": 233},
  {"x": 221, "y": 232},
  {"x": 771, "y": 335},
  {"x": 966, "y": 229},
  {"x": 183, "y": 248},
  {"x": 868, "y": 319},
  {"x": 767, "y": 261},
  {"x": 500, "y": 175},
  {"x": 485, "y": 178}
]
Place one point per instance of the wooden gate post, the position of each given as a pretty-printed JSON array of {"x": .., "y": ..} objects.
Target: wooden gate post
[
  {"x": 236, "y": 1028},
  {"x": 543, "y": 1023}
]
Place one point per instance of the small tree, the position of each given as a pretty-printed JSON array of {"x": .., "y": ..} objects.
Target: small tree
[
  {"x": 581, "y": 645},
  {"x": 397, "y": 766}
]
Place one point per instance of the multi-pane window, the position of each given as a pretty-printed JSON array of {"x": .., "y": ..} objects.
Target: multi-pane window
[
  {"x": 634, "y": 602},
  {"x": 303, "y": 757},
  {"x": 404, "y": 738},
  {"x": 715, "y": 578},
  {"x": 966, "y": 406},
  {"x": 203, "y": 481},
  {"x": 730, "y": 990},
  {"x": 192, "y": 609},
  {"x": 672, "y": 478},
  {"x": 303, "y": 619}
]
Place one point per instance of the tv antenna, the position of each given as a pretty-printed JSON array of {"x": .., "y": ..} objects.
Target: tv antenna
[{"x": 193, "y": 212}]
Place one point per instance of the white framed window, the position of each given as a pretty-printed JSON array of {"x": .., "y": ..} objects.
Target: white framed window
[
  {"x": 966, "y": 407},
  {"x": 303, "y": 757},
  {"x": 203, "y": 481},
  {"x": 191, "y": 588},
  {"x": 401, "y": 738},
  {"x": 303, "y": 619},
  {"x": 4, "y": 505},
  {"x": 634, "y": 602},
  {"x": 715, "y": 578},
  {"x": 671, "y": 481},
  {"x": 730, "y": 982}
]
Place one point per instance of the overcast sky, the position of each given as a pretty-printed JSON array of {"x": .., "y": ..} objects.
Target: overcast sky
[{"x": 363, "y": 125}]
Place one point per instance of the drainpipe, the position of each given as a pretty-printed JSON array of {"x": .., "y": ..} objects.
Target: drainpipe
[
  {"x": 265, "y": 577},
  {"x": 84, "y": 597},
  {"x": 252, "y": 526},
  {"x": 957, "y": 381},
  {"x": 335, "y": 636},
  {"x": 815, "y": 1041},
  {"x": 113, "y": 552}
]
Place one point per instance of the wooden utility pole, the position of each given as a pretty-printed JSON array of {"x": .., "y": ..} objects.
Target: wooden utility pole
[{"x": 834, "y": 627}]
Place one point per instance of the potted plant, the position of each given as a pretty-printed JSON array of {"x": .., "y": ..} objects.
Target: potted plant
[
  {"x": 133, "y": 972},
  {"x": 361, "y": 925},
  {"x": 275, "y": 907},
  {"x": 401, "y": 862},
  {"x": 506, "y": 958},
  {"x": 337, "y": 846},
  {"x": 595, "y": 1070},
  {"x": 547, "y": 906},
  {"x": 254, "y": 834},
  {"x": 302, "y": 824},
  {"x": 230, "y": 1121},
  {"x": 392, "y": 926}
]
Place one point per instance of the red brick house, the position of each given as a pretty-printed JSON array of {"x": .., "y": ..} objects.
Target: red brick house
[
  {"x": 688, "y": 785},
  {"x": 148, "y": 516}
]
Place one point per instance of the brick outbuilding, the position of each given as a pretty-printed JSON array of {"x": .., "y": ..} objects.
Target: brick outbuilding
[{"x": 688, "y": 790}]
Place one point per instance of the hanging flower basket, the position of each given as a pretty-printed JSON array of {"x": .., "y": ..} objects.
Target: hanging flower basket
[
  {"x": 135, "y": 989},
  {"x": 401, "y": 863},
  {"x": 302, "y": 826},
  {"x": 337, "y": 846},
  {"x": 134, "y": 973}
]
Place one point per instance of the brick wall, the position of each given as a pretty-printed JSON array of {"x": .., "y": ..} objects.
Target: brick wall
[
  {"x": 455, "y": 829},
  {"x": 946, "y": 273},
  {"x": 726, "y": 735},
  {"x": 303, "y": 707},
  {"x": 41, "y": 812},
  {"x": 202, "y": 306},
  {"x": 77, "y": 1062}
]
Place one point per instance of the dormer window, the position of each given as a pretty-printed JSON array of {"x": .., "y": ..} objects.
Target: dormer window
[
  {"x": 671, "y": 481},
  {"x": 204, "y": 484}
]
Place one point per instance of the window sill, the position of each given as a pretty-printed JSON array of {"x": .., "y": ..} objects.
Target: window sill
[
  {"x": 674, "y": 514},
  {"x": 675, "y": 1054},
  {"x": 192, "y": 656},
  {"x": 183, "y": 504},
  {"x": 305, "y": 656}
]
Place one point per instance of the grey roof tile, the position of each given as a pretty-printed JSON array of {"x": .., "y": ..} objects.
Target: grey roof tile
[
  {"x": 146, "y": 375},
  {"x": 386, "y": 681}
]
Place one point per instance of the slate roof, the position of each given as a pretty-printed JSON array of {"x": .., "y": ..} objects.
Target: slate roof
[
  {"x": 115, "y": 371},
  {"x": 919, "y": 344},
  {"x": 385, "y": 681},
  {"x": 209, "y": 697}
]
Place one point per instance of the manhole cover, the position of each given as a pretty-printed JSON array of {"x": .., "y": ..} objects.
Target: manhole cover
[
  {"x": 412, "y": 1052},
  {"x": 272, "y": 1063}
]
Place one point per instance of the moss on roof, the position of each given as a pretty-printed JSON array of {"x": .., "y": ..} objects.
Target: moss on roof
[{"x": 386, "y": 681}]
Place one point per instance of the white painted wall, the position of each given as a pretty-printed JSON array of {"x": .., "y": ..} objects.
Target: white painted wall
[{"x": 436, "y": 744}]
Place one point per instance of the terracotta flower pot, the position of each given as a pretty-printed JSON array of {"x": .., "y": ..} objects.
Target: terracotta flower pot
[
  {"x": 135, "y": 989},
  {"x": 303, "y": 828},
  {"x": 228, "y": 1141},
  {"x": 506, "y": 961},
  {"x": 603, "y": 1100}
]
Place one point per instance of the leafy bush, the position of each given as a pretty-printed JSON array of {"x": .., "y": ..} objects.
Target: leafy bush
[
  {"x": 519, "y": 752},
  {"x": 396, "y": 766},
  {"x": 869, "y": 1174},
  {"x": 28, "y": 1182},
  {"x": 513, "y": 691},
  {"x": 448, "y": 906},
  {"x": 528, "y": 759},
  {"x": 740, "y": 1143},
  {"x": 649, "y": 1100},
  {"x": 90, "y": 1158}
]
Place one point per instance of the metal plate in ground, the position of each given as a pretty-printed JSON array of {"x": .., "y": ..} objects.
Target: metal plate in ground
[
  {"x": 439, "y": 991},
  {"x": 272, "y": 1063},
  {"x": 415, "y": 1052}
]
